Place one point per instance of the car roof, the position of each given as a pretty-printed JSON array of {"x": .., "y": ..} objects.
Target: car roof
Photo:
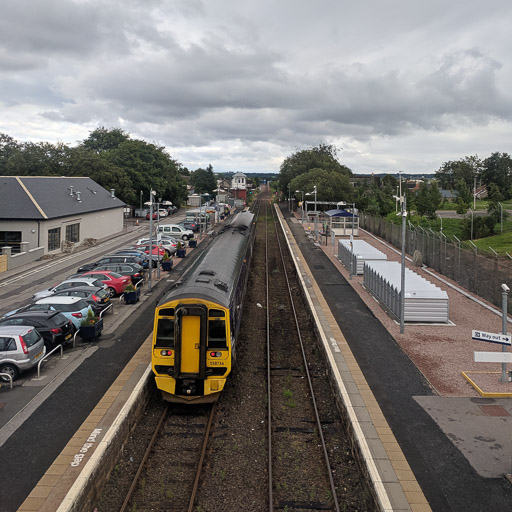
[
  {"x": 14, "y": 330},
  {"x": 59, "y": 299},
  {"x": 95, "y": 272},
  {"x": 77, "y": 279},
  {"x": 90, "y": 289},
  {"x": 35, "y": 314}
]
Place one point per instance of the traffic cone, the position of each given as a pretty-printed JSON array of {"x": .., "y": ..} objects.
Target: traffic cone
[{"x": 137, "y": 222}]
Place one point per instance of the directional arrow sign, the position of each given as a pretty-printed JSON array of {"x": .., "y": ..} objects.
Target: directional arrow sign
[
  {"x": 502, "y": 339},
  {"x": 493, "y": 357}
]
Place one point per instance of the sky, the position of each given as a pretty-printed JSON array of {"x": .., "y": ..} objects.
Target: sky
[{"x": 394, "y": 85}]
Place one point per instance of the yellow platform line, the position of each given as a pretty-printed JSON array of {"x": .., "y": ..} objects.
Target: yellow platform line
[{"x": 485, "y": 394}]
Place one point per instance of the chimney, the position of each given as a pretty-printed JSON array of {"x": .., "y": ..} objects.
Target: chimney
[
  {"x": 78, "y": 196},
  {"x": 113, "y": 192}
]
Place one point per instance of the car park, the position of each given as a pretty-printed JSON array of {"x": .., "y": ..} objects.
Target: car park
[
  {"x": 116, "y": 283},
  {"x": 73, "y": 308},
  {"x": 176, "y": 231},
  {"x": 68, "y": 283},
  {"x": 97, "y": 298},
  {"x": 54, "y": 327},
  {"x": 21, "y": 348}
]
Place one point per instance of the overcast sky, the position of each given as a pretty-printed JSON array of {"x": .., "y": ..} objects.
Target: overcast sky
[{"x": 396, "y": 85}]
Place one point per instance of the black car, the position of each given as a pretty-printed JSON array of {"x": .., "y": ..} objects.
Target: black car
[
  {"x": 112, "y": 258},
  {"x": 97, "y": 298},
  {"x": 189, "y": 224},
  {"x": 53, "y": 326}
]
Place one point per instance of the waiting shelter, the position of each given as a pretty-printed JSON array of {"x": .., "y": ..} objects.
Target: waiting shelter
[{"x": 343, "y": 222}]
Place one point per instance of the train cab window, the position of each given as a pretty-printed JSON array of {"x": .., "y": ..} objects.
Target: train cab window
[
  {"x": 166, "y": 312},
  {"x": 217, "y": 334},
  {"x": 216, "y": 313},
  {"x": 165, "y": 333}
]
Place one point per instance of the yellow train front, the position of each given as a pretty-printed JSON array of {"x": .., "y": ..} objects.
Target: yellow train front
[{"x": 196, "y": 323}]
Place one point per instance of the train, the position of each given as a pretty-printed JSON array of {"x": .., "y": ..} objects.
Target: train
[{"x": 197, "y": 322}]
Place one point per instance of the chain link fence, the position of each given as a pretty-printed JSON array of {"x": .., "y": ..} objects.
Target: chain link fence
[{"x": 477, "y": 273}]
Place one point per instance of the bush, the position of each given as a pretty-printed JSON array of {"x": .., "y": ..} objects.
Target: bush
[{"x": 90, "y": 319}]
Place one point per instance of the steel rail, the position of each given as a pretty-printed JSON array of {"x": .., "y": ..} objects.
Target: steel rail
[
  {"x": 306, "y": 367},
  {"x": 135, "y": 480},
  {"x": 201, "y": 458}
]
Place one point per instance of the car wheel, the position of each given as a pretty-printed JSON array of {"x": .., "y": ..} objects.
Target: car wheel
[
  {"x": 185, "y": 237},
  {"x": 111, "y": 291},
  {"x": 10, "y": 370}
]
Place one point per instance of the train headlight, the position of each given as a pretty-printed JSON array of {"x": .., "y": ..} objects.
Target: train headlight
[{"x": 166, "y": 353}]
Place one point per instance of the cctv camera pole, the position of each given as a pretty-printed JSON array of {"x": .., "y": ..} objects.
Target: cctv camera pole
[
  {"x": 504, "y": 306},
  {"x": 402, "y": 281}
]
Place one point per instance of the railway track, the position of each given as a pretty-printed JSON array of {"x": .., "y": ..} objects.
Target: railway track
[{"x": 265, "y": 449}]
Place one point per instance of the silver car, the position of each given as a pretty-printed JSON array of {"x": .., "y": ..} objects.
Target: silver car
[
  {"x": 68, "y": 283},
  {"x": 21, "y": 348}
]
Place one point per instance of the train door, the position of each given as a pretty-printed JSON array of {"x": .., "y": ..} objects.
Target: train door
[{"x": 191, "y": 322}]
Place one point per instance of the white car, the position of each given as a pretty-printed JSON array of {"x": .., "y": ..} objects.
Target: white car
[
  {"x": 162, "y": 212},
  {"x": 69, "y": 283},
  {"x": 176, "y": 231}
]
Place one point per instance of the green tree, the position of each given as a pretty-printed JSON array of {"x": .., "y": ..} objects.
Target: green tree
[
  {"x": 323, "y": 156},
  {"x": 203, "y": 181},
  {"x": 463, "y": 197},
  {"x": 497, "y": 169},
  {"x": 465, "y": 169},
  {"x": 101, "y": 139},
  {"x": 428, "y": 200},
  {"x": 494, "y": 209}
]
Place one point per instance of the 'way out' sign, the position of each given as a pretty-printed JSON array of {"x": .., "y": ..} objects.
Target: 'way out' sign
[{"x": 502, "y": 339}]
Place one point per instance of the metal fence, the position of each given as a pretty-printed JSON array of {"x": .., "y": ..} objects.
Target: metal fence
[{"x": 477, "y": 273}]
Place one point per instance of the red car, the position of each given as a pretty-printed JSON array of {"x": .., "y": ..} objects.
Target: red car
[
  {"x": 157, "y": 250},
  {"x": 116, "y": 283},
  {"x": 155, "y": 216}
]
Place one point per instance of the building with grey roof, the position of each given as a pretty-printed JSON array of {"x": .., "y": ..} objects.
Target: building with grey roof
[{"x": 46, "y": 212}]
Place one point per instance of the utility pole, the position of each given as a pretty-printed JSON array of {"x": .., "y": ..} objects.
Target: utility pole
[{"x": 402, "y": 284}]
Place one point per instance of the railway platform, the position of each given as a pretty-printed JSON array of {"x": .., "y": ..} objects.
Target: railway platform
[{"x": 401, "y": 429}]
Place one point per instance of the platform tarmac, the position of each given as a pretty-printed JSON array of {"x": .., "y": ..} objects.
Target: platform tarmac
[{"x": 421, "y": 450}]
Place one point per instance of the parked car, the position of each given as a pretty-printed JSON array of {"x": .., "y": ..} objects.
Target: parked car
[
  {"x": 155, "y": 216},
  {"x": 73, "y": 308},
  {"x": 170, "y": 246},
  {"x": 116, "y": 283},
  {"x": 192, "y": 225},
  {"x": 21, "y": 348},
  {"x": 156, "y": 251},
  {"x": 131, "y": 257},
  {"x": 68, "y": 283},
  {"x": 162, "y": 212},
  {"x": 54, "y": 327},
  {"x": 176, "y": 231},
  {"x": 97, "y": 298},
  {"x": 133, "y": 270}
]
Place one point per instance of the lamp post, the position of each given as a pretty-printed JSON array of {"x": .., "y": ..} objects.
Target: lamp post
[
  {"x": 150, "y": 269},
  {"x": 471, "y": 223},
  {"x": 504, "y": 307},
  {"x": 302, "y": 192},
  {"x": 402, "y": 280},
  {"x": 141, "y": 199},
  {"x": 501, "y": 217}
]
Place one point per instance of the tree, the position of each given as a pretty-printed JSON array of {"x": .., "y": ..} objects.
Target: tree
[
  {"x": 494, "y": 209},
  {"x": 463, "y": 197},
  {"x": 203, "y": 181},
  {"x": 428, "y": 200},
  {"x": 322, "y": 156},
  {"x": 497, "y": 169},
  {"x": 102, "y": 139},
  {"x": 466, "y": 169}
]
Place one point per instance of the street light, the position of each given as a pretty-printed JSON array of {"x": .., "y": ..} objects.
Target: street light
[
  {"x": 504, "y": 305},
  {"x": 151, "y": 196}
]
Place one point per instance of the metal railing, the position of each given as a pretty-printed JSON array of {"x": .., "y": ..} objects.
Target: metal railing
[
  {"x": 49, "y": 353},
  {"x": 9, "y": 377}
]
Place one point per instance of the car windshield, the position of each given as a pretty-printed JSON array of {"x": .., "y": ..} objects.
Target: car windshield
[
  {"x": 31, "y": 338},
  {"x": 57, "y": 320},
  {"x": 101, "y": 293},
  {"x": 68, "y": 308},
  {"x": 98, "y": 283}
]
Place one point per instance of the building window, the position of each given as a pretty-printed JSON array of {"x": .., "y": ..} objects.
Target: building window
[
  {"x": 11, "y": 239},
  {"x": 53, "y": 239},
  {"x": 73, "y": 232}
]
